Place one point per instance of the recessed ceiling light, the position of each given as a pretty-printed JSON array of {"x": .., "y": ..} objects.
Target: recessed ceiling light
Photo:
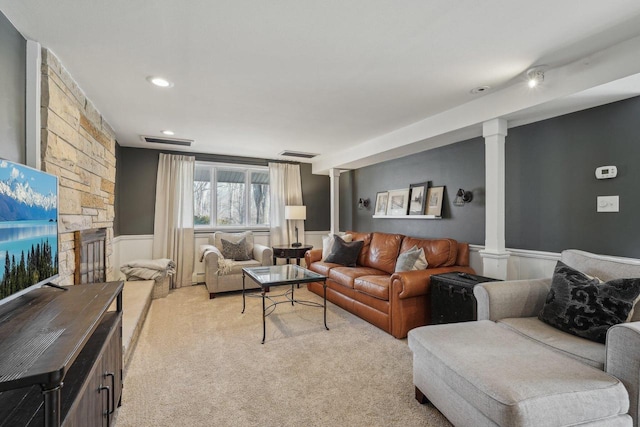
[
  {"x": 167, "y": 132},
  {"x": 159, "y": 81},
  {"x": 480, "y": 89}
]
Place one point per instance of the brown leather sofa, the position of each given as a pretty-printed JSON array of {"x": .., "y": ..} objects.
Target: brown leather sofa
[{"x": 394, "y": 302}]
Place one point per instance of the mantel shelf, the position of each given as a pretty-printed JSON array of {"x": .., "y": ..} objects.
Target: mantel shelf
[{"x": 408, "y": 216}]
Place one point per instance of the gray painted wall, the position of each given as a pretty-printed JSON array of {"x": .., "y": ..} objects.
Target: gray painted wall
[
  {"x": 455, "y": 166},
  {"x": 551, "y": 185},
  {"x": 135, "y": 200},
  {"x": 316, "y": 195},
  {"x": 12, "y": 92},
  {"x": 136, "y": 183}
]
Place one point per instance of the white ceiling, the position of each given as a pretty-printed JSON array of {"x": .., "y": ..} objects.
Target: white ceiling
[{"x": 357, "y": 81}]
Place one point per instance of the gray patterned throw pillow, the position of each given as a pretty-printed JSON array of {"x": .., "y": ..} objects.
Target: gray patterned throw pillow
[
  {"x": 583, "y": 306},
  {"x": 235, "y": 251}
]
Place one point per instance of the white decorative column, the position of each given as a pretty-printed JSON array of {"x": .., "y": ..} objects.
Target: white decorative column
[
  {"x": 334, "y": 176},
  {"x": 494, "y": 256}
]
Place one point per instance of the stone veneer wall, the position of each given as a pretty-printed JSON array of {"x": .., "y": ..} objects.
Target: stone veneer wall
[{"x": 78, "y": 146}]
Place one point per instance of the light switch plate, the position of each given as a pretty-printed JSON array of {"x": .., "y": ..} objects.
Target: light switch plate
[{"x": 608, "y": 203}]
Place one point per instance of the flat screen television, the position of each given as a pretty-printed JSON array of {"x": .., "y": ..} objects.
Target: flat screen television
[{"x": 28, "y": 229}]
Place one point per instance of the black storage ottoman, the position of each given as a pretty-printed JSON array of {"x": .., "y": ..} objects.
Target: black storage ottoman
[{"x": 452, "y": 297}]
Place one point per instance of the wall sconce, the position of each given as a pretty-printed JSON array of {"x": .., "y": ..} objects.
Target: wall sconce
[
  {"x": 363, "y": 203},
  {"x": 463, "y": 197}
]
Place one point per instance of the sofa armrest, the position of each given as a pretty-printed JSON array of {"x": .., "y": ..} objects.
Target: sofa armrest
[
  {"x": 210, "y": 255},
  {"x": 623, "y": 360},
  {"x": 408, "y": 284},
  {"x": 410, "y": 298},
  {"x": 314, "y": 255},
  {"x": 205, "y": 250},
  {"x": 263, "y": 254},
  {"x": 512, "y": 298}
]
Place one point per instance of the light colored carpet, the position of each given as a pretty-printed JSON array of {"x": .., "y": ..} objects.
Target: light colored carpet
[{"x": 199, "y": 362}]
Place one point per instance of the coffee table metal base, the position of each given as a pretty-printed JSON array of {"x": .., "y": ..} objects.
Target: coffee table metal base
[{"x": 288, "y": 296}]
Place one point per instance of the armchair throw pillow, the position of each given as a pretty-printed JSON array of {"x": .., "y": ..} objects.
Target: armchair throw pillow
[
  {"x": 586, "y": 307},
  {"x": 216, "y": 239},
  {"x": 344, "y": 253},
  {"x": 235, "y": 251}
]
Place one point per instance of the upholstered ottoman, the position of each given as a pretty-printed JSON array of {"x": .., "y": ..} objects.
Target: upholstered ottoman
[{"x": 482, "y": 374}]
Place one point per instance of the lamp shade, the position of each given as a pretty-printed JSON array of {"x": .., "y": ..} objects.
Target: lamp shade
[{"x": 295, "y": 212}]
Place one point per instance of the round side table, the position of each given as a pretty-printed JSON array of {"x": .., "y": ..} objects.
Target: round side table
[{"x": 288, "y": 252}]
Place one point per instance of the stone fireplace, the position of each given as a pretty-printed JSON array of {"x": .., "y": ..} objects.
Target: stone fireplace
[{"x": 77, "y": 145}]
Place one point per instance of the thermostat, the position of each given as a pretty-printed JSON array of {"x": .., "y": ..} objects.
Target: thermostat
[{"x": 604, "y": 172}]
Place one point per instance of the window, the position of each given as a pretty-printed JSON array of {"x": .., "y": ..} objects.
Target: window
[{"x": 230, "y": 196}]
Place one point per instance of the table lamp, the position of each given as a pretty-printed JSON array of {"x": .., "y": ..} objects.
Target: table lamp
[{"x": 292, "y": 213}]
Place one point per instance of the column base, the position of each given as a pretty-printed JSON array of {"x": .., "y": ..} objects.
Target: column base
[{"x": 494, "y": 263}]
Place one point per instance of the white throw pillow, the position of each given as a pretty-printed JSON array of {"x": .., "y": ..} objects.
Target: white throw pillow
[
  {"x": 412, "y": 259},
  {"x": 421, "y": 262},
  {"x": 327, "y": 243}
]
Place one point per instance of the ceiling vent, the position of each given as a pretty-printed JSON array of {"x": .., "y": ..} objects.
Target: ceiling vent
[
  {"x": 169, "y": 141},
  {"x": 298, "y": 154}
]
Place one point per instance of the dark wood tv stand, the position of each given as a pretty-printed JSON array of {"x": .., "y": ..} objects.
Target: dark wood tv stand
[{"x": 61, "y": 356}]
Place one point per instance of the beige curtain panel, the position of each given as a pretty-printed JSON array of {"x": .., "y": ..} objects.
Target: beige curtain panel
[
  {"x": 173, "y": 235},
  {"x": 285, "y": 189}
]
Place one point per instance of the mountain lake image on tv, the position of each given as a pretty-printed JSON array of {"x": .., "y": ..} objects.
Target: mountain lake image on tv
[{"x": 28, "y": 227}]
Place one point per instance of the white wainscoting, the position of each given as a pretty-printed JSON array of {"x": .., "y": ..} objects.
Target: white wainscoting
[
  {"x": 523, "y": 264},
  {"x": 129, "y": 248}
]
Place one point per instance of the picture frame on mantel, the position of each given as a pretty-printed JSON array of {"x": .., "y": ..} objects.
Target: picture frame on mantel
[
  {"x": 398, "y": 202},
  {"x": 434, "y": 200},
  {"x": 382, "y": 197},
  {"x": 417, "y": 198}
]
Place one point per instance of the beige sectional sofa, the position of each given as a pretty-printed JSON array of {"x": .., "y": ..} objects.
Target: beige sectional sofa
[{"x": 511, "y": 369}]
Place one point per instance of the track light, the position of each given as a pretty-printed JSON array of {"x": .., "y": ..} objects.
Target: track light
[{"x": 535, "y": 76}]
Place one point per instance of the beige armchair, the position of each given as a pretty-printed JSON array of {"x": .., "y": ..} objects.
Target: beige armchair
[{"x": 224, "y": 275}]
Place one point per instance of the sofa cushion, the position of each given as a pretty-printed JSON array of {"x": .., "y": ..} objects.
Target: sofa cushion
[
  {"x": 322, "y": 267},
  {"x": 582, "y": 306},
  {"x": 383, "y": 251},
  {"x": 512, "y": 380},
  {"x": 376, "y": 286},
  {"x": 344, "y": 253},
  {"x": 364, "y": 252},
  {"x": 346, "y": 275},
  {"x": 237, "y": 266},
  {"x": 439, "y": 252},
  {"x": 584, "y": 350}
]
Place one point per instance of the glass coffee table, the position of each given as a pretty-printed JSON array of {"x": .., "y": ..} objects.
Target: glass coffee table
[{"x": 279, "y": 275}]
